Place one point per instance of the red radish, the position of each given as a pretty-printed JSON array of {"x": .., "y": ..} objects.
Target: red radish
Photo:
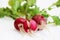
[
  {"x": 33, "y": 25},
  {"x": 26, "y": 28},
  {"x": 20, "y": 22},
  {"x": 40, "y": 20}
]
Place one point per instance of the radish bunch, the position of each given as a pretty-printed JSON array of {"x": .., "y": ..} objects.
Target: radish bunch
[{"x": 36, "y": 23}]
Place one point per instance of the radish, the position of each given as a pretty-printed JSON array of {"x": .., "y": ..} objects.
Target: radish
[
  {"x": 33, "y": 25},
  {"x": 40, "y": 20},
  {"x": 21, "y": 23}
]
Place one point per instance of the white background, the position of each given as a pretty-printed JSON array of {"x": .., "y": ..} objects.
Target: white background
[{"x": 51, "y": 32}]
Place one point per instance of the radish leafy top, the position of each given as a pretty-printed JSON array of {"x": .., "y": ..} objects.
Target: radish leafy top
[{"x": 18, "y": 10}]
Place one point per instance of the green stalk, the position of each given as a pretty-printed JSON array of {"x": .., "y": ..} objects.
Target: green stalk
[{"x": 26, "y": 11}]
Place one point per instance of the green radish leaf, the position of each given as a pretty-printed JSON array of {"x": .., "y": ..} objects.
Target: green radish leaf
[
  {"x": 13, "y": 2},
  {"x": 57, "y": 3},
  {"x": 31, "y": 2},
  {"x": 20, "y": 1},
  {"x": 56, "y": 20},
  {"x": 44, "y": 13},
  {"x": 14, "y": 5},
  {"x": 7, "y": 11},
  {"x": 2, "y": 14},
  {"x": 49, "y": 8},
  {"x": 34, "y": 11}
]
